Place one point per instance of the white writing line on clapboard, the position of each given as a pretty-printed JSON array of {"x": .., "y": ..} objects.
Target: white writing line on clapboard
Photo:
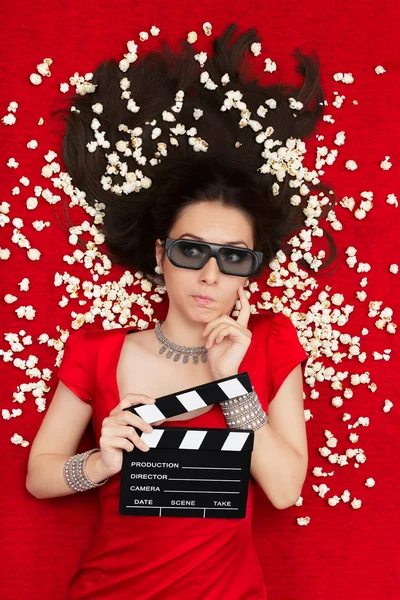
[{"x": 185, "y": 479}]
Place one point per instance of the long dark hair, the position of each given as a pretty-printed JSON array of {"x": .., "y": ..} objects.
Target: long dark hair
[{"x": 228, "y": 171}]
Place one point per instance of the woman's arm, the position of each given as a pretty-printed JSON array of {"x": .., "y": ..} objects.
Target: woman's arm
[
  {"x": 56, "y": 441},
  {"x": 280, "y": 456}
]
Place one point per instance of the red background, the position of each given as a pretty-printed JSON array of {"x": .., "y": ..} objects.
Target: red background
[{"x": 342, "y": 553}]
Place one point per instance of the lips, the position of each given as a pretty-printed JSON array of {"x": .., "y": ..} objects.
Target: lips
[
  {"x": 203, "y": 297},
  {"x": 202, "y": 300}
]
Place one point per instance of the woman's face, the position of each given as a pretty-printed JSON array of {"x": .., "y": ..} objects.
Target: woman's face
[{"x": 213, "y": 223}]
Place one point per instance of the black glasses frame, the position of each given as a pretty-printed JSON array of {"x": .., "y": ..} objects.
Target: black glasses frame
[{"x": 169, "y": 243}]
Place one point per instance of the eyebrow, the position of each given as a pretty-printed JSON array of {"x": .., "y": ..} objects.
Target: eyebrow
[{"x": 203, "y": 240}]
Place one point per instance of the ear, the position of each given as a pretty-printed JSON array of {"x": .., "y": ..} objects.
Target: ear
[{"x": 159, "y": 251}]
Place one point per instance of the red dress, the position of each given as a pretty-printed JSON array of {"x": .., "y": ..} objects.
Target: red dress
[{"x": 171, "y": 558}]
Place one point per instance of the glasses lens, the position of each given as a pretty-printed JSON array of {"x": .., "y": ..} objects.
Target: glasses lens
[
  {"x": 189, "y": 254},
  {"x": 238, "y": 262}
]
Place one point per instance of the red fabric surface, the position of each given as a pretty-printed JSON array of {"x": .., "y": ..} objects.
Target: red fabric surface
[{"x": 342, "y": 553}]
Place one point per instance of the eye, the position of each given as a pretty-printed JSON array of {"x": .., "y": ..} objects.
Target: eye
[
  {"x": 232, "y": 256},
  {"x": 191, "y": 250}
]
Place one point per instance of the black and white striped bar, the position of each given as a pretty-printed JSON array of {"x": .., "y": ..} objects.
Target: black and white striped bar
[
  {"x": 193, "y": 398},
  {"x": 188, "y": 472}
]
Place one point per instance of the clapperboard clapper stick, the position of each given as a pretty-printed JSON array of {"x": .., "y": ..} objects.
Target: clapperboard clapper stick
[{"x": 189, "y": 471}]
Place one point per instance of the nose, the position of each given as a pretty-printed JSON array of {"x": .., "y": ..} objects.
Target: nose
[{"x": 210, "y": 271}]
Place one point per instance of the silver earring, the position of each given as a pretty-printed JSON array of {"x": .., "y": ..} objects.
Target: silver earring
[{"x": 157, "y": 269}]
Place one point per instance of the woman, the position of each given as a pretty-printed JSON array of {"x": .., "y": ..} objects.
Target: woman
[{"x": 204, "y": 222}]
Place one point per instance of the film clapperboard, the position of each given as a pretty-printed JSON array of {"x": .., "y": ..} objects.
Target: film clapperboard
[{"x": 189, "y": 471}]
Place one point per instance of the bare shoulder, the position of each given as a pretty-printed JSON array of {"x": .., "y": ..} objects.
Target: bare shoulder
[
  {"x": 140, "y": 344},
  {"x": 144, "y": 337}
]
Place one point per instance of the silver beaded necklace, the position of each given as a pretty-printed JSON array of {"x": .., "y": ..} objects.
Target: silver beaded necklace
[{"x": 195, "y": 352}]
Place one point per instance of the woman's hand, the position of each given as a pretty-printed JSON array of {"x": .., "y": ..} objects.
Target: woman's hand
[
  {"x": 117, "y": 433},
  {"x": 228, "y": 340}
]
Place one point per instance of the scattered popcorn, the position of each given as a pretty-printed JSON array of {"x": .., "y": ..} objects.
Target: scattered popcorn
[
  {"x": 346, "y": 496},
  {"x": 9, "y": 119},
  {"x": 385, "y": 164},
  {"x": 321, "y": 489},
  {"x": 31, "y": 203},
  {"x": 32, "y": 144},
  {"x": 225, "y": 79},
  {"x": 41, "y": 121},
  {"x": 271, "y": 103},
  {"x": 207, "y": 28},
  {"x": 43, "y": 338},
  {"x": 356, "y": 503},
  {"x": 34, "y": 254},
  {"x": 18, "y": 223},
  {"x": 132, "y": 47},
  {"x": 388, "y": 406},
  {"x": 35, "y": 79},
  {"x": 25, "y": 181},
  {"x": 12, "y": 107},
  {"x": 337, "y": 103},
  {"x": 9, "y": 298},
  {"x": 256, "y": 48},
  {"x": 351, "y": 165},
  {"x": 50, "y": 155},
  {"x": 43, "y": 68},
  {"x": 192, "y": 37},
  {"x": 370, "y": 482},
  {"x": 97, "y": 108},
  {"x": 334, "y": 501},
  {"x": 201, "y": 57},
  {"x": 331, "y": 312},
  {"x": 337, "y": 402},
  {"x": 295, "y": 105},
  {"x": 40, "y": 225},
  {"x": 344, "y": 78},
  {"x": 154, "y": 30},
  {"x": 16, "y": 412},
  {"x": 379, "y": 70},
  {"x": 25, "y": 311},
  {"x": 270, "y": 65},
  {"x": 303, "y": 521},
  {"x": 24, "y": 284},
  {"x": 18, "y": 440},
  {"x": 340, "y": 138},
  {"x": 64, "y": 87},
  {"x": 47, "y": 171},
  {"x": 4, "y": 254},
  {"x": 12, "y": 163}
]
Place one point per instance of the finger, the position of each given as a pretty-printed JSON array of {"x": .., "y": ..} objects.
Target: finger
[
  {"x": 227, "y": 330},
  {"x": 125, "y": 416},
  {"x": 108, "y": 444},
  {"x": 214, "y": 333},
  {"x": 223, "y": 319},
  {"x": 119, "y": 439},
  {"x": 131, "y": 399},
  {"x": 244, "y": 314},
  {"x": 120, "y": 431}
]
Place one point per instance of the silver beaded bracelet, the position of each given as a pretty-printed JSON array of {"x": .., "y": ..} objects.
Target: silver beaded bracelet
[
  {"x": 244, "y": 412},
  {"x": 75, "y": 472}
]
